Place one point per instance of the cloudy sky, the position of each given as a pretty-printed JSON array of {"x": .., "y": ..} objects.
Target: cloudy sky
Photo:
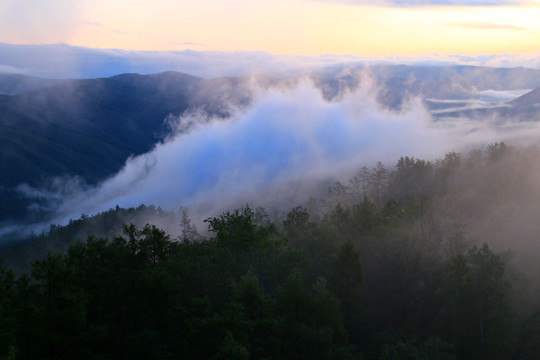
[{"x": 296, "y": 27}]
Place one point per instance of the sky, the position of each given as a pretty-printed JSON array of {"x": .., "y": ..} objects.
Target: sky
[{"x": 293, "y": 27}]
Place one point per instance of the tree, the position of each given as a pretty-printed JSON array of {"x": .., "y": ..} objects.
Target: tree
[
  {"x": 189, "y": 230},
  {"x": 312, "y": 321},
  {"x": 478, "y": 304},
  {"x": 378, "y": 181},
  {"x": 296, "y": 222},
  {"x": 412, "y": 181},
  {"x": 62, "y": 315},
  {"x": 345, "y": 282},
  {"x": 8, "y": 320},
  {"x": 250, "y": 247},
  {"x": 346, "y": 277}
]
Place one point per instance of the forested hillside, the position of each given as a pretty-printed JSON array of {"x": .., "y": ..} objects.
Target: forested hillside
[
  {"x": 90, "y": 127},
  {"x": 427, "y": 260}
]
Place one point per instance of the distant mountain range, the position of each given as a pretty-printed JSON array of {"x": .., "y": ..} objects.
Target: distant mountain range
[
  {"x": 89, "y": 127},
  {"x": 531, "y": 100},
  {"x": 521, "y": 108},
  {"x": 13, "y": 84}
]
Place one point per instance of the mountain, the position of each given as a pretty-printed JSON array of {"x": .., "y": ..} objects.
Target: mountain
[
  {"x": 89, "y": 127},
  {"x": 449, "y": 86},
  {"x": 530, "y": 100},
  {"x": 522, "y": 108},
  {"x": 12, "y": 84},
  {"x": 479, "y": 77},
  {"x": 63, "y": 61}
]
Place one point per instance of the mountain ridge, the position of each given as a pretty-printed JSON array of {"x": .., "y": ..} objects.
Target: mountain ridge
[{"x": 89, "y": 127}]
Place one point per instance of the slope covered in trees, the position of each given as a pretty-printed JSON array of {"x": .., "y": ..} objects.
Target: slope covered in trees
[
  {"x": 253, "y": 291},
  {"x": 90, "y": 127},
  {"x": 404, "y": 264}
]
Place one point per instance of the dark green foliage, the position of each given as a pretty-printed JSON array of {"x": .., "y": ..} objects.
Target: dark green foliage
[
  {"x": 7, "y": 317},
  {"x": 59, "y": 238},
  {"x": 144, "y": 296},
  {"x": 478, "y": 304},
  {"x": 413, "y": 179},
  {"x": 346, "y": 279},
  {"x": 248, "y": 247},
  {"x": 430, "y": 349},
  {"x": 313, "y": 323},
  {"x": 249, "y": 293},
  {"x": 60, "y": 312},
  {"x": 528, "y": 339},
  {"x": 393, "y": 277}
]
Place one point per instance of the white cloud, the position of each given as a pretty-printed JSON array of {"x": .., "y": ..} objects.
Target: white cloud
[
  {"x": 289, "y": 136},
  {"x": 64, "y": 61},
  {"x": 487, "y": 26},
  {"x": 275, "y": 153},
  {"x": 32, "y": 17},
  {"x": 431, "y": 3}
]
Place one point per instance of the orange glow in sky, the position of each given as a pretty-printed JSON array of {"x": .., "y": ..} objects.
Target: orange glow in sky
[{"x": 296, "y": 27}]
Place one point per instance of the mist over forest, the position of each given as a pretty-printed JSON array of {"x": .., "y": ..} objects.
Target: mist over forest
[{"x": 356, "y": 210}]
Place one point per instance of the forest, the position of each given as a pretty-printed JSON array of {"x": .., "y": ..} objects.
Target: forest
[{"x": 426, "y": 260}]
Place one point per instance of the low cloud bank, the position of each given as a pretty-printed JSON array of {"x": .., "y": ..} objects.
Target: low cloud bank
[{"x": 64, "y": 61}]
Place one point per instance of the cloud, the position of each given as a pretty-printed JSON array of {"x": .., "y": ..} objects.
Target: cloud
[
  {"x": 285, "y": 144},
  {"x": 487, "y": 26},
  {"x": 285, "y": 137},
  {"x": 506, "y": 95},
  {"x": 431, "y": 3},
  {"x": 31, "y": 17},
  {"x": 189, "y": 43},
  {"x": 505, "y": 60},
  {"x": 465, "y": 106},
  {"x": 65, "y": 61},
  {"x": 9, "y": 69},
  {"x": 486, "y": 99},
  {"x": 92, "y": 23}
]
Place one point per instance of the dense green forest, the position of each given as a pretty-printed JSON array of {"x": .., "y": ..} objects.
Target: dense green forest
[{"x": 429, "y": 260}]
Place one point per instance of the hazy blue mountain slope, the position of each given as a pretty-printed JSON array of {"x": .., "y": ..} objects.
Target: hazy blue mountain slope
[
  {"x": 529, "y": 100},
  {"x": 11, "y": 84},
  {"x": 522, "y": 108},
  {"x": 88, "y": 128}
]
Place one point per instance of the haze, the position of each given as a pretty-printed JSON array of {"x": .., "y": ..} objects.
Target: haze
[{"x": 294, "y": 179}]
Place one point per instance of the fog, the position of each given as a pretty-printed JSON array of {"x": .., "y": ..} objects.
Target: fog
[
  {"x": 485, "y": 99},
  {"x": 289, "y": 145},
  {"x": 285, "y": 136},
  {"x": 277, "y": 153}
]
